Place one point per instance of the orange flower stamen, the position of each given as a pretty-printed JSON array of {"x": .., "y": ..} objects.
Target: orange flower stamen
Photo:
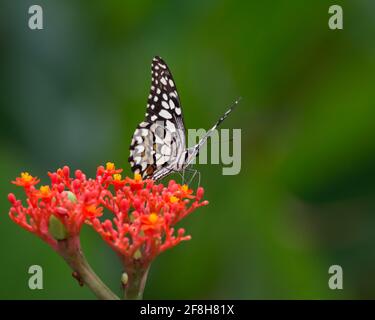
[
  {"x": 117, "y": 177},
  {"x": 26, "y": 177},
  {"x": 173, "y": 199},
  {"x": 110, "y": 166},
  {"x": 153, "y": 218},
  {"x": 45, "y": 191}
]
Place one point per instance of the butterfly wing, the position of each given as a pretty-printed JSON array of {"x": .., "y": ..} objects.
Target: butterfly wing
[{"x": 159, "y": 140}]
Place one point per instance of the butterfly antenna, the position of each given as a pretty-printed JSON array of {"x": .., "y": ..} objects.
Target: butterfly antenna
[
  {"x": 226, "y": 114},
  {"x": 210, "y": 132}
]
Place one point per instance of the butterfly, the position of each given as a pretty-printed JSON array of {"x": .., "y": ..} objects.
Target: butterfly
[{"x": 158, "y": 147}]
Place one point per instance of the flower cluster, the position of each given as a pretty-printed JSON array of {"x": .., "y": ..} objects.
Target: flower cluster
[
  {"x": 144, "y": 217},
  {"x": 142, "y": 213},
  {"x": 56, "y": 211}
]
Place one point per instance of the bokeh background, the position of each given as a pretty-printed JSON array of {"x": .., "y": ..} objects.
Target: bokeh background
[{"x": 304, "y": 199}]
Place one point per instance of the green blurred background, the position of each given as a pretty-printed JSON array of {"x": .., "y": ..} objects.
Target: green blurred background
[{"x": 304, "y": 200}]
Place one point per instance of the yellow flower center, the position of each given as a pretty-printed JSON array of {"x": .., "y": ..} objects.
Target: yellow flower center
[
  {"x": 185, "y": 188},
  {"x": 44, "y": 190},
  {"x": 153, "y": 218},
  {"x": 25, "y": 176},
  {"x": 91, "y": 209},
  {"x": 173, "y": 199},
  {"x": 110, "y": 166},
  {"x": 117, "y": 177},
  {"x": 137, "y": 177}
]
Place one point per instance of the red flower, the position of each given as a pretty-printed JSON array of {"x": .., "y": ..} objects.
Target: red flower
[
  {"x": 151, "y": 223},
  {"x": 57, "y": 211},
  {"x": 144, "y": 214},
  {"x": 26, "y": 180},
  {"x": 117, "y": 181},
  {"x": 136, "y": 183},
  {"x": 45, "y": 193}
]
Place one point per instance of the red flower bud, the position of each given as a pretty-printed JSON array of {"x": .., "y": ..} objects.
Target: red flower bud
[
  {"x": 76, "y": 184},
  {"x": 78, "y": 174},
  {"x": 66, "y": 171},
  {"x": 200, "y": 193},
  {"x": 61, "y": 211},
  {"x": 12, "y": 198}
]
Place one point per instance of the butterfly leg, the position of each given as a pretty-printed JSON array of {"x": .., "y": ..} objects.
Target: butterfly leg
[
  {"x": 183, "y": 176},
  {"x": 195, "y": 172}
]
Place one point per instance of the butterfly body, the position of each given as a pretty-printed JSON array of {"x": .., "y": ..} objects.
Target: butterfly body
[{"x": 158, "y": 146}]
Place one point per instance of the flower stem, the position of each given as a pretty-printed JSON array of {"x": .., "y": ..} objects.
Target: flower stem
[
  {"x": 70, "y": 250},
  {"x": 137, "y": 277}
]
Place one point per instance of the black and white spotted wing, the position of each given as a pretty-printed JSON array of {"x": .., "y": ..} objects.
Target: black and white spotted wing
[{"x": 160, "y": 138}]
